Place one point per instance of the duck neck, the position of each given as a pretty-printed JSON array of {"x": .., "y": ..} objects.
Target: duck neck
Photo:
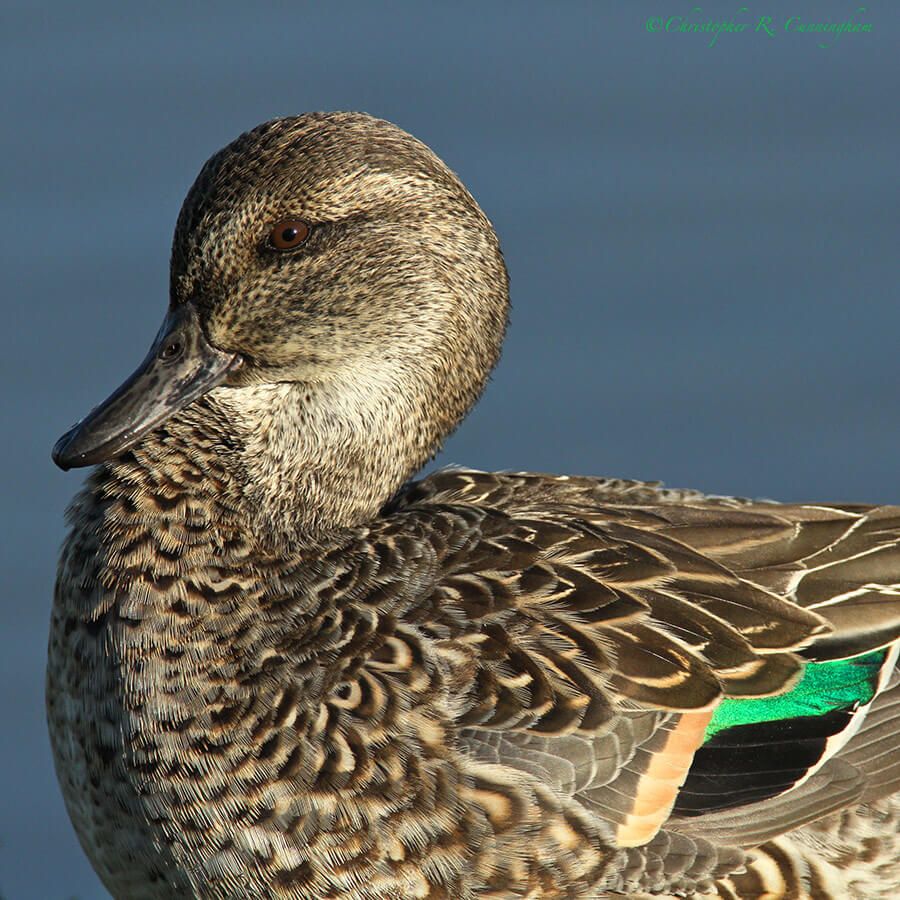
[{"x": 314, "y": 461}]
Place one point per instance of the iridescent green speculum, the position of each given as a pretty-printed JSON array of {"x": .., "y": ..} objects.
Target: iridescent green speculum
[{"x": 825, "y": 686}]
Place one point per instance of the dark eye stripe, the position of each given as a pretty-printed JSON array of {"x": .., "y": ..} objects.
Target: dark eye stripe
[{"x": 288, "y": 234}]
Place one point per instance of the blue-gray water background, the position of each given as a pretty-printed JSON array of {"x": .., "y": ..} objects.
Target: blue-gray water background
[{"x": 703, "y": 243}]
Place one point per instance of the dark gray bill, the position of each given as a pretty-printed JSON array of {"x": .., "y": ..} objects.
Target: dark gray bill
[{"x": 181, "y": 366}]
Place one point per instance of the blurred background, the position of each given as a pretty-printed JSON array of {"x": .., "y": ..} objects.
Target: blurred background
[{"x": 702, "y": 242}]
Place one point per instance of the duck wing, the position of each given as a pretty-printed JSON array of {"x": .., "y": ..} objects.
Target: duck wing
[{"x": 686, "y": 668}]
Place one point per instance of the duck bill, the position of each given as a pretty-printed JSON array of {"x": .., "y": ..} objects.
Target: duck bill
[{"x": 180, "y": 367}]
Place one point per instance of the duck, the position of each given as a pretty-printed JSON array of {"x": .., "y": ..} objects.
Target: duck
[{"x": 281, "y": 667}]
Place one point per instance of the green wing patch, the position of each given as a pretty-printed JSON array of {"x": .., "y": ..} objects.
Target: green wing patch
[{"x": 826, "y": 686}]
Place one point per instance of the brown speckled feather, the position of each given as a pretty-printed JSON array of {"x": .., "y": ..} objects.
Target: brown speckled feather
[{"x": 276, "y": 673}]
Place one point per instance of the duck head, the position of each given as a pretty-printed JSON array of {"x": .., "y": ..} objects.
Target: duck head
[{"x": 336, "y": 293}]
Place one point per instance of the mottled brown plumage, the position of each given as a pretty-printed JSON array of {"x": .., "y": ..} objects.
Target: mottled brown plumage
[{"x": 276, "y": 672}]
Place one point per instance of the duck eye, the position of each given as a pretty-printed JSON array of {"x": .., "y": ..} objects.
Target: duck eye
[{"x": 288, "y": 234}]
